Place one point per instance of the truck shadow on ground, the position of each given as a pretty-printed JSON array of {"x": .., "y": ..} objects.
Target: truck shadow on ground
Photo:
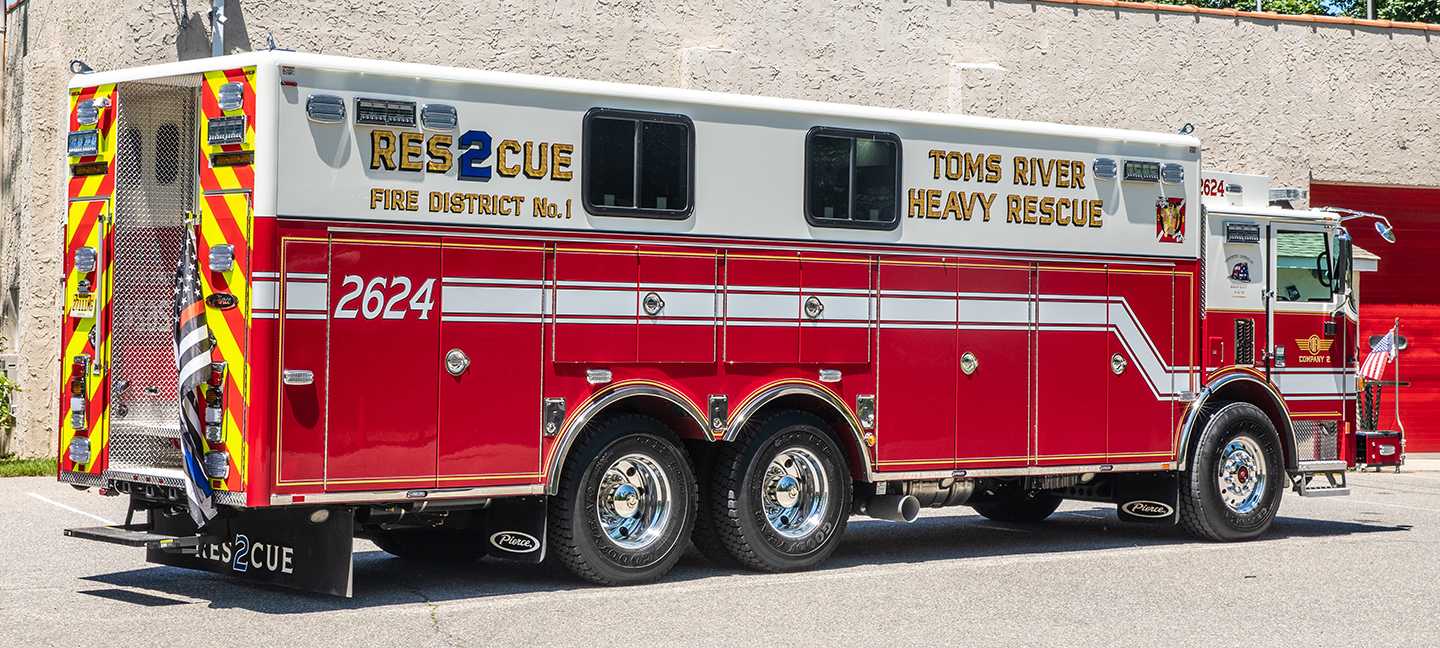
[{"x": 382, "y": 580}]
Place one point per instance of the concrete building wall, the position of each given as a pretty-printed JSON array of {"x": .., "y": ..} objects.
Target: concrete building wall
[{"x": 1298, "y": 101}]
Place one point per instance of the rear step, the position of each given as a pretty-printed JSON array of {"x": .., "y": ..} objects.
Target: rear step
[
  {"x": 1332, "y": 484},
  {"x": 136, "y": 535}
]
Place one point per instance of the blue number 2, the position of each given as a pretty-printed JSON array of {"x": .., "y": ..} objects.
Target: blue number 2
[
  {"x": 242, "y": 549},
  {"x": 473, "y": 156}
]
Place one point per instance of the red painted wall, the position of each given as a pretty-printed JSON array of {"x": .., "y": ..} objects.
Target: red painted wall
[{"x": 1402, "y": 288}]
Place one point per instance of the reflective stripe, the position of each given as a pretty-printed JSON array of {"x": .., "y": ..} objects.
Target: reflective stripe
[
  {"x": 491, "y": 300},
  {"x": 305, "y": 296},
  {"x": 762, "y": 306}
]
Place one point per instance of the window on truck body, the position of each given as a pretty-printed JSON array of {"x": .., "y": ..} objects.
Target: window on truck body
[
  {"x": 638, "y": 164},
  {"x": 852, "y": 178}
]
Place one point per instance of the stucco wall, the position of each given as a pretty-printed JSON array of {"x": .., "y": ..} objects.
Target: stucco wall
[{"x": 1295, "y": 101}]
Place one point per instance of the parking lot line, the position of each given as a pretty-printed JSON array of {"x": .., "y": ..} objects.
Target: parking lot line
[{"x": 70, "y": 508}]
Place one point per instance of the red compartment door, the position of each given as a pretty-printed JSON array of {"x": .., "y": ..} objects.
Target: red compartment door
[
  {"x": 915, "y": 425},
  {"x": 835, "y": 309},
  {"x": 1072, "y": 366},
  {"x": 384, "y": 365},
  {"x": 595, "y": 304},
  {"x": 303, "y": 296},
  {"x": 491, "y": 309}
]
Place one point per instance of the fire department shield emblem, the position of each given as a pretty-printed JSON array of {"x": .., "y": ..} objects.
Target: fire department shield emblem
[{"x": 1170, "y": 220}]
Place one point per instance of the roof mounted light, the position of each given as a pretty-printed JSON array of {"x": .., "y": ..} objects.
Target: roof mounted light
[
  {"x": 326, "y": 109},
  {"x": 86, "y": 142},
  {"x": 231, "y": 96},
  {"x": 1171, "y": 173},
  {"x": 384, "y": 112},
  {"x": 1104, "y": 168},
  {"x": 1288, "y": 195},
  {"x": 225, "y": 130},
  {"x": 87, "y": 112},
  {"x": 1142, "y": 171},
  {"x": 438, "y": 117}
]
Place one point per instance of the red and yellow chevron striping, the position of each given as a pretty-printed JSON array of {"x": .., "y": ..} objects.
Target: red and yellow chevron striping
[
  {"x": 94, "y": 185},
  {"x": 226, "y": 219},
  {"x": 80, "y": 334},
  {"x": 226, "y": 178}
]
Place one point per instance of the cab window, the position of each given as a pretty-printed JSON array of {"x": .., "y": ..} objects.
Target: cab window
[{"x": 1302, "y": 267}]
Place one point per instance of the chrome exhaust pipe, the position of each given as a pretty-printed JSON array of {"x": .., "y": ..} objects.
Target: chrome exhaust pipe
[{"x": 898, "y": 508}]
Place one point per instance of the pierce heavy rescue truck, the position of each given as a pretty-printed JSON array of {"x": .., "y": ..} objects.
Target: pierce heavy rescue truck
[{"x": 466, "y": 313}]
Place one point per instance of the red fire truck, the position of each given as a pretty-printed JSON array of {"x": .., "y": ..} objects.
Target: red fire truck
[{"x": 466, "y": 313}]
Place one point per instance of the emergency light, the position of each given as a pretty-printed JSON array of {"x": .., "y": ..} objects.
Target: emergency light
[{"x": 86, "y": 142}]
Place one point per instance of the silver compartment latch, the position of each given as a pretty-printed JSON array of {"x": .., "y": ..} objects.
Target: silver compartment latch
[{"x": 298, "y": 377}]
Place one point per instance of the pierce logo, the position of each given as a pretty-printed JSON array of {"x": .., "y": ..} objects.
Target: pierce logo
[
  {"x": 1147, "y": 509},
  {"x": 515, "y": 542}
]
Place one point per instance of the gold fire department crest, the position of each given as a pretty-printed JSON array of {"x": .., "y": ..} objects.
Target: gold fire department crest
[
  {"x": 1170, "y": 220},
  {"x": 1314, "y": 345}
]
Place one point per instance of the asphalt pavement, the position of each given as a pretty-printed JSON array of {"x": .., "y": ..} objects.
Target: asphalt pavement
[{"x": 1340, "y": 571}]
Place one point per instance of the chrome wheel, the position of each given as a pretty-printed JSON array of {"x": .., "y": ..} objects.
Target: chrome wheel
[
  {"x": 795, "y": 493},
  {"x": 1242, "y": 474},
  {"x": 633, "y": 502}
]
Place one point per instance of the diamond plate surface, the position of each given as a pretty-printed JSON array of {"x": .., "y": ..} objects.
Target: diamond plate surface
[
  {"x": 1316, "y": 440},
  {"x": 154, "y": 189}
]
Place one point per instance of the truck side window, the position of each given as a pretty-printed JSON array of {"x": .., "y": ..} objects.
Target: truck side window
[
  {"x": 1302, "y": 267},
  {"x": 852, "y": 178},
  {"x": 638, "y": 164}
]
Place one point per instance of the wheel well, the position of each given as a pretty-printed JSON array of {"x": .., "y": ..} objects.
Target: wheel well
[
  {"x": 1245, "y": 391},
  {"x": 845, "y": 433},
  {"x": 673, "y": 416}
]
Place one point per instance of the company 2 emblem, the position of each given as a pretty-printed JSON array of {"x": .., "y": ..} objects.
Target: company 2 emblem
[
  {"x": 1317, "y": 349},
  {"x": 514, "y": 542},
  {"x": 1170, "y": 220},
  {"x": 1239, "y": 265},
  {"x": 1314, "y": 345},
  {"x": 1147, "y": 509}
]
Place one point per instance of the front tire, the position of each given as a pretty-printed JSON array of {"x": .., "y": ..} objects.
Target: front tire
[
  {"x": 780, "y": 498},
  {"x": 626, "y": 503},
  {"x": 1232, "y": 490}
]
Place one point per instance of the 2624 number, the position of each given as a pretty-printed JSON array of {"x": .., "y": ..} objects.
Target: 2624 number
[{"x": 384, "y": 298}]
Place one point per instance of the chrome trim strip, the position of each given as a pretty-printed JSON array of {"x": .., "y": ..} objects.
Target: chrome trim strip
[
  {"x": 161, "y": 476},
  {"x": 758, "y": 400},
  {"x": 1023, "y": 471},
  {"x": 401, "y": 495},
  {"x": 596, "y": 404},
  {"x": 757, "y": 245},
  {"x": 1192, "y": 412},
  {"x": 87, "y": 479},
  {"x": 230, "y": 498},
  {"x": 1326, "y": 465}
]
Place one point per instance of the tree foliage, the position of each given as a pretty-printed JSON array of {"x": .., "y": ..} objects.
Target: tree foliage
[{"x": 1398, "y": 10}]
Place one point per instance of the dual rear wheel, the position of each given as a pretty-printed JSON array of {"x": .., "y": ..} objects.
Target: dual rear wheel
[{"x": 628, "y": 501}]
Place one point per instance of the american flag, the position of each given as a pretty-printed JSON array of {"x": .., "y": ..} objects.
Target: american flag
[
  {"x": 1380, "y": 355},
  {"x": 192, "y": 360}
]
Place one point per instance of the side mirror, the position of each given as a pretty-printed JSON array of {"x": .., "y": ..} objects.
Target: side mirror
[{"x": 1344, "y": 251}]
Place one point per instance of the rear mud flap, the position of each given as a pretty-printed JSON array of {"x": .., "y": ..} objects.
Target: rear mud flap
[
  {"x": 283, "y": 546},
  {"x": 1147, "y": 499},
  {"x": 515, "y": 528}
]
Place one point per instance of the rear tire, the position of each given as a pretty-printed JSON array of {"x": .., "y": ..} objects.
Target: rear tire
[
  {"x": 706, "y": 535},
  {"x": 1232, "y": 490},
  {"x": 626, "y": 503},
  {"x": 780, "y": 499}
]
